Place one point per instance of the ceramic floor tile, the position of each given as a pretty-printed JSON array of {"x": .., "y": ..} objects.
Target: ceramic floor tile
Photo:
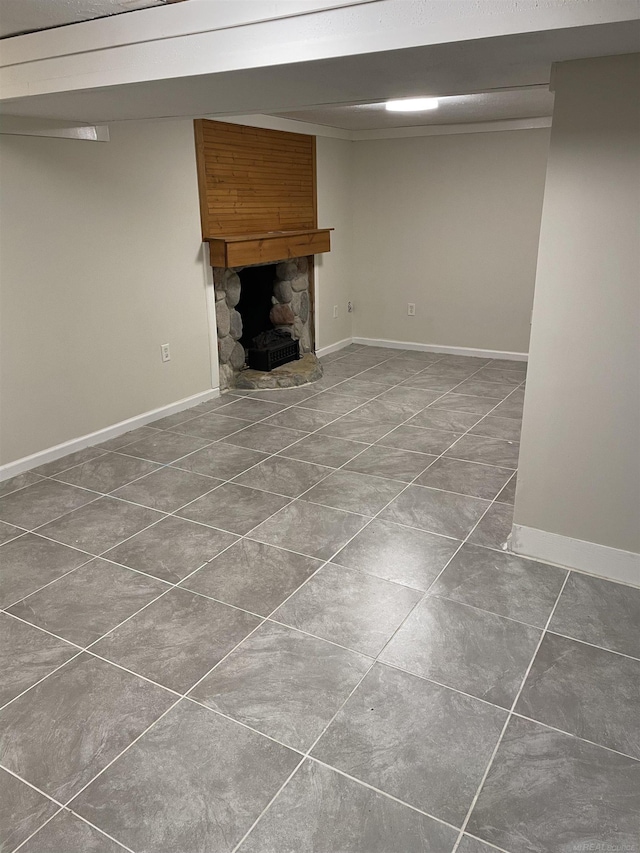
[
  {"x": 444, "y": 419},
  {"x": 71, "y": 725},
  {"x": 490, "y": 451},
  {"x": 265, "y": 438},
  {"x": 436, "y": 511},
  {"x": 418, "y": 741},
  {"x": 423, "y": 723},
  {"x": 26, "y": 656},
  {"x": 163, "y": 447},
  {"x": 9, "y": 532},
  {"x": 428, "y": 381},
  {"x": 355, "y": 427},
  {"x": 127, "y": 438},
  {"x": 508, "y": 494},
  {"x": 177, "y": 639},
  {"x": 586, "y": 692},
  {"x": 167, "y": 489},
  {"x": 465, "y": 478},
  {"x": 505, "y": 428},
  {"x": 494, "y": 529},
  {"x": 413, "y": 400},
  {"x": 321, "y": 811},
  {"x": 464, "y": 648},
  {"x": 393, "y": 410},
  {"x": 547, "y": 791},
  {"x": 324, "y": 450},
  {"x": 237, "y": 509},
  {"x": 474, "y": 362},
  {"x": 66, "y": 833},
  {"x": 502, "y": 583},
  {"x": 327, "y": 401},
  {"x": 400, "y": 554},
  {"x": 354, "y": 492},
  {"x": 100, "y": 525},
  {"x": 510, "y": 408},
  {"x": 30, "y": 562},
  {"x": 305, "y": 420},
  {"x": 483, "y": 388},
  {"x": 212, "y": 777},
  {"x": 508, "y": 364},
  {"x": 284, "y": 396},
  {"x": 22, "y": 811},
  {"x": 501, "y": 375},
  {"x": 42, "y": 502},
  {"x": 18, "y": 482},
  {"x": 390, "y": 462},
  {"x": 253, "y": 576},
  {"x": 361, "y": 388},
  {"x": 84, "y": 604},
  {"x": 221, "y": 460},
  {"x": 348, "y": 607},
  {"x": 389, "y": 375},
  {"x": 216, "y": 402},
  {"x": 253, "y": 410},
  {"x": 210, "y": 427},
  {"x": 465, "y": 403},
  {"x": 599, "y": 612},
  {"x": 472, "y": 845},
  {"x": 416, "y": 438},
  {"x": 171, "y": 421},
  {"x": 107, "y": 472},
  {"x": 284, "y": 476},
  {"x": 50, "y": 469},
  {"x": 283, "y": 683},
  {"x": 417, "y": 355},
  {"x": 310, "y": 529},
  {"x": 172, "y": 549}
]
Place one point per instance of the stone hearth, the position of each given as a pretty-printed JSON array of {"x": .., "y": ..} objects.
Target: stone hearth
[{"x": 290, "y": 311}]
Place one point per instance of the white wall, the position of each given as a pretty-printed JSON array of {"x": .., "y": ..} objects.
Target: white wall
[
  {"x": 580, "y": 454},
  {"x": 450, "y": 223},
  {"x": 334, "y": 270},
  {"x": 100, "y": 263}
]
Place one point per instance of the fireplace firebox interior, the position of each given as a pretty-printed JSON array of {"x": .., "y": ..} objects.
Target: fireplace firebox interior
[{"x": 256, "y": 301}]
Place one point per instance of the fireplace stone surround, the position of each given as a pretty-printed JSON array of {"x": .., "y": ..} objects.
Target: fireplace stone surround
[{"x": 291, "y": 310}]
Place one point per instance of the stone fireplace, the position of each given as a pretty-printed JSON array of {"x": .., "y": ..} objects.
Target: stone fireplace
[{"x": 253, "y": 299}]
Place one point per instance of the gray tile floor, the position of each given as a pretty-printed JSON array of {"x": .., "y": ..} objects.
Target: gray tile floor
[{"x": 286, "y": 622}]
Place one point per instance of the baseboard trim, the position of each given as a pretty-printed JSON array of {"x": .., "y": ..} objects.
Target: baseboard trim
[
  {"x": 483, "y": 353},
  {"x": 601, "y": 560},
  {"x": 12, "y": 469},
  {"x": 333, "y": 347}
]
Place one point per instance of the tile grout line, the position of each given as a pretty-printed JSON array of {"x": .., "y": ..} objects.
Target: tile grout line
[
  {"x": 317, "y": 570},
  {"x": 510, "y": 713},
  {"x": 197, "y": 569}
]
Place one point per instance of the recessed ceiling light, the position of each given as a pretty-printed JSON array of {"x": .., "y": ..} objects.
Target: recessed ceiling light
[{"x": 412, "y": 105}]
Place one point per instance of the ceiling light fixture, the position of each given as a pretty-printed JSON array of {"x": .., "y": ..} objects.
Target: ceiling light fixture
[{"x": 412, "y": 105}]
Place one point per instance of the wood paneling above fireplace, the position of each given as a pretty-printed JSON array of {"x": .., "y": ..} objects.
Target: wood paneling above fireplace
[{"x": 257, "y": 193}]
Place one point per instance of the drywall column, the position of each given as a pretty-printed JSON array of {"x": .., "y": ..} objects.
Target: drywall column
[{"x": 578, "y": 495}]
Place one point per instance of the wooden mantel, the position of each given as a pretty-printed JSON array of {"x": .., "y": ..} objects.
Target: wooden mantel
[
  {"x": 244, "y": 249},
  {"x": 257, "y": 194}
]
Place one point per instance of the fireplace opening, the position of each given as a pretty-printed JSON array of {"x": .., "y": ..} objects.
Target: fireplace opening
[
  {"x": 256, "y": 301},
  {"x": 270, "y": 302}
]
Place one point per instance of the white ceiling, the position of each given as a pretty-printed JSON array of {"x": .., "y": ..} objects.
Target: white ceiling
[
  {"x": 25, "y": 16},
  {"x": 533, "y": 102},
  {"x": 320, "y": 68}
]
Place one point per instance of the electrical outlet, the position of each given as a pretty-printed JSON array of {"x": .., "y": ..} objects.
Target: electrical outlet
[
  {"x": 335, "y": 311},
  {"x": 411, "y": 309},
  {"x": 350, "y": 307},
  {"x": 165, "y": 352}
]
